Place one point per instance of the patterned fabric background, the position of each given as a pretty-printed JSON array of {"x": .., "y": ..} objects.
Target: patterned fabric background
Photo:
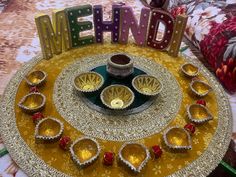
[{"x": 212, "y": 28}]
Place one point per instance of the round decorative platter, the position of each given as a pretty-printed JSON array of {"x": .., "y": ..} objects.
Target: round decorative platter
[{"x": 145, "y": 124}]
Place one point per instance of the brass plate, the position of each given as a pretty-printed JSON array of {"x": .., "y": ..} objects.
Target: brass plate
[
  {"x": 119, "y": 127},
  {"x": 205, "y": 156}
]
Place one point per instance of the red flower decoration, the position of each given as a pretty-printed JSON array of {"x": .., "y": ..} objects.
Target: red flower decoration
[
  {"x": 202, "y": 102},
  {"x": 214, "y": 44},
  {"x": 37, "y": 117},
  {"x": 156, "y": 151},
  {"x": 108, "y": 158},
  {"x": 178, "y": 10},
  {"x": 213, "y": 47},
  {"x": 65, "y": 142},
  {"x": 34, "y": 89},
  {"x": 190, "y": 127}
]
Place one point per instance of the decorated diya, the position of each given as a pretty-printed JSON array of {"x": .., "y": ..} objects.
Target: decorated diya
[
  {"x": 117, "y": 97},
  {"x": 120, "y": 65},
  {"x": 147, "y": 85},
  {"x": 134, "y": 155},
  {"x": 200, "y": 88},
  {"x": 198, "y": 113},
  {"x": 48, "y": 130},
  {"x": 32, "y": 102},
  {"x": 189, "y": 69},
  {"x": 177, "y": 138},
  {"x": 88, "y": 82},
  {"x": 84, "y": 151},
  {"x": 35, "y": 78}
]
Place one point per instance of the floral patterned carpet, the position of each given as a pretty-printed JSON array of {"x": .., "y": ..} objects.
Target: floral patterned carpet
[{"x": 19, "y": 43}]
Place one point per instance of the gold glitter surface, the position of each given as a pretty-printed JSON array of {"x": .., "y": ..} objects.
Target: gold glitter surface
[{"x": 210, "y": 140}]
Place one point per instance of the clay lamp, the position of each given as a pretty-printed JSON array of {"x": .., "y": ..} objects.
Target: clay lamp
[
  {"x": 117, "y": 97},
  {"x": 189, "y": 69},
  {"x": 120, "y": 66},
  {"x": 147, "y": 85},
  {"x": 134, "y": 155},
  {"x": 35, "y": 78},
  {"x": 88, "y": 82},
  {"x": 85, "y": 151},
  {"x": 32, "y": 102}
]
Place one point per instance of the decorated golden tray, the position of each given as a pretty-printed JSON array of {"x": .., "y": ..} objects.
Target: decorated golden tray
[{"x": 157, "y": 139}]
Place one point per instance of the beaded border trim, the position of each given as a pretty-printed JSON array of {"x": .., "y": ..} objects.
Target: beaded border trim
[{"x": 34, "y": 166}]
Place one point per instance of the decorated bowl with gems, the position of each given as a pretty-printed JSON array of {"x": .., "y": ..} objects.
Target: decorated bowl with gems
[
  {"x": 84, "y": 151},
  {"x": 147, "y": 85},
  {"x": 189, "y": 69},
  {"x": 177, "y": 138},
  {"x": 117, "y": 97},
  {"x": 35, "y": 78},
  {"x": 198, "y": 113},
  {"x": 120, "y": 66},
  {"x": 134, "y": 155},
  {"x": 32, "y": 102},
  {"x": 200, "y": 88},
  {"x": 88, "y": 82},
  {"x": 48, "y": 130}
]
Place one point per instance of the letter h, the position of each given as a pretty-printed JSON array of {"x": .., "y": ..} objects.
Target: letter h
[{"x": 101, "y": 26}]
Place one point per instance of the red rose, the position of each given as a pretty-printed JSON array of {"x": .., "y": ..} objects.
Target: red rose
[
  {"x": 178, "y": 10},
  {"x": 65, "y": 142},
  {"x": 34, "y": 89},
  {"x": 190, "y": 128},
  {"x": 108, "y": 158},
  {"x": 157, "y": 151},
  {"x": 202, "y": 102},
  {"x": 37, "y": 117}
]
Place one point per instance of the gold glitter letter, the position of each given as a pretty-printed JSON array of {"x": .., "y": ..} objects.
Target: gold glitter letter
[
  {"x": 53, "y": 39},
  {"x": 179, "y": 27}
]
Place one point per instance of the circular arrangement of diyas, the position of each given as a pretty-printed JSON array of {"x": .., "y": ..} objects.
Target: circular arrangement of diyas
[
  {"x": 180, "y": 131},
  {"x": 117, "y": 96}
]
